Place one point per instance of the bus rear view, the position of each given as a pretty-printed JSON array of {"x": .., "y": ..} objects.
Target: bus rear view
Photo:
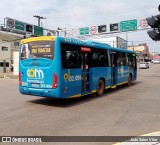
[
  {"x": 37, "y": 67},
  {"x": 60, "y": 67}
]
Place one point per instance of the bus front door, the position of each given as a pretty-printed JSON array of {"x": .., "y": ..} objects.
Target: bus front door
[{"x": 85, "y": 73}]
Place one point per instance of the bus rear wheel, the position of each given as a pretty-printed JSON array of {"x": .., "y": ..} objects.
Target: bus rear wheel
[
  {"x": 100, "y": 90},
  {"x": 129, "y": 80}
]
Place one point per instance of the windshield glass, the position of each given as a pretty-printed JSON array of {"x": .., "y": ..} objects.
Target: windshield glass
[{"x": 38, "y": 49}]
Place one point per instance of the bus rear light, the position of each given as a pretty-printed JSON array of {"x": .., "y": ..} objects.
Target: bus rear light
[
  {"x": 55, "y": 81},
  {"x": 19, "y": 78}
]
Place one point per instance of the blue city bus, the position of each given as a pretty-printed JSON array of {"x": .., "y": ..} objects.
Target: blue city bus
[{"x": 60, "y": 67}]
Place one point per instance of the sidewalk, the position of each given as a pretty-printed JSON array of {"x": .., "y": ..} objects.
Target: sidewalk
[{"x": 8, "y": 75}]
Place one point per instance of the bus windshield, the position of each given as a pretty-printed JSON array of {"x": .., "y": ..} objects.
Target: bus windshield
[{"x": 37, "y": 49}]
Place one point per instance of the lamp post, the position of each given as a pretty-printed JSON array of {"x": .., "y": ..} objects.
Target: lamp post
[{"x": 60, "y": 29}]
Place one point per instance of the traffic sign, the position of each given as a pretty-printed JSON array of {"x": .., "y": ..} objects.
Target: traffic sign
[
  {"x": 114, "y": 27},
  {"x": 19, "y": 26},
  {"x": 102, "y": 28},
  {"x": 29, "y": 28},
  {"x": 10, "y": 23},
  {"x": 22, "y": 27},
  {"x": 38, "y": 30},
  {"x": 93, "y": 30},
  {"x": 83, "y": 31},
  {"x": 129, "y": 25},
  {"x": 143, "y": 23}
]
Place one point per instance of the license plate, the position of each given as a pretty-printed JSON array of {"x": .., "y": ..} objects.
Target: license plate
[{"x": 35, "y": 85}]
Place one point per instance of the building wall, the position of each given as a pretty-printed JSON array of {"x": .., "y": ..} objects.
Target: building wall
[
  {"x": 141, "y": 49},
  {"x": 136, "y": 48},
  {"x": 154, "y": 53},
  {"x": 5, "y": 56},
  {"x": 113, "y": 41},
  {"x": 15, "y": 62},
  {"x": 9, "y": 42}
]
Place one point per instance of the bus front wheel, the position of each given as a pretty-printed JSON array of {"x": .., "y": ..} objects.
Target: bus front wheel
[{"x": 100, "y": 90}]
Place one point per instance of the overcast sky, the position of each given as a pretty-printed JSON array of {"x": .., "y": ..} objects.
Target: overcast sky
[{"x": 74, "y": 14}]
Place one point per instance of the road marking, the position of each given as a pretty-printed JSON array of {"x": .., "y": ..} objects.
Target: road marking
[{"x": 157, "y": 132}]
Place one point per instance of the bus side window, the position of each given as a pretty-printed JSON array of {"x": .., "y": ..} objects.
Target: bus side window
[
  {"x": 118, "y": 61},
  {"x": 121, "y": 59},
  {"x": 129, "y": 60},
  {"x": 70, "y": 56},
  {"x": 95, "y": 59},
  {"x": 103, "y": 58},
  {"x": 76, "y": 59},
  {"x": 70, "y": 61},
  {"x": 124, "y": 59}
]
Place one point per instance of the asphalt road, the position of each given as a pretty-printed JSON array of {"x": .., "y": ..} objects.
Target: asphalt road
[{"x": 126, "y": 111}]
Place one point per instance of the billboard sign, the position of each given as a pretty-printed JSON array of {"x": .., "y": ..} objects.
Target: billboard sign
[{"x": 19, "y": 26}]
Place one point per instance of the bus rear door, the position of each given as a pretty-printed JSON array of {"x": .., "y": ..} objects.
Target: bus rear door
[{"x": 85, "y": 70}]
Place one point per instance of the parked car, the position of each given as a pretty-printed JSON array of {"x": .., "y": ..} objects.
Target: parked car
[
  {"x": 143, "y": 65},
  {"x": 156, "y": 61}
]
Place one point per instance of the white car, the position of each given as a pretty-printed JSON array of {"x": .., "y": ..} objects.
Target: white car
[
  {"x": 143, "y": 65},
  {"x": 156, "y": 61}
]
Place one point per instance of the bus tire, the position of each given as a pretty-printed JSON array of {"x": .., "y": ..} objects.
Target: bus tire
[
  {"x": 130, "y": 80},
  {"x": 100, "y": 89}
]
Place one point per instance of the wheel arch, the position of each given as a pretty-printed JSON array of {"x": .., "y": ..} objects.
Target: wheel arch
[{"x": 104, "y": 80}]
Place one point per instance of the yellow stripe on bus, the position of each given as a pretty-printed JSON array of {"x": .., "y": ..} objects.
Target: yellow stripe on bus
[
  {"x": 112, "y": 87},
  {"x": 75, "y": 96},
  {"x": 94, "y": 91},
  {"x": 121, "y": 83},
  {"x": 79, "y": 95},
  {"x": 42, "y": 38},
  {"x": 108, "y": 87}
]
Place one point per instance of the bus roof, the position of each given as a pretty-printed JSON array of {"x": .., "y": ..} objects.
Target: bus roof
[
  {"x": 41, "y": 38},
  {"x": 77, "y": 42},
  {"x": 93, "y": 44}
]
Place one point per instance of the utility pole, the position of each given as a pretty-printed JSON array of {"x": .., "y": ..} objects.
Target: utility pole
[
  {"x": 133, "y": 46},
  {"x": 39, "y": 19}
]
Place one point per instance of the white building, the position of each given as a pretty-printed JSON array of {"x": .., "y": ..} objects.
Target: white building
[
  {"x": 9, "y": 42},
  {"x": 154, "y": 53},
  {"x": 5, "y": 56},
  {"x": 112, "y": 41}
]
